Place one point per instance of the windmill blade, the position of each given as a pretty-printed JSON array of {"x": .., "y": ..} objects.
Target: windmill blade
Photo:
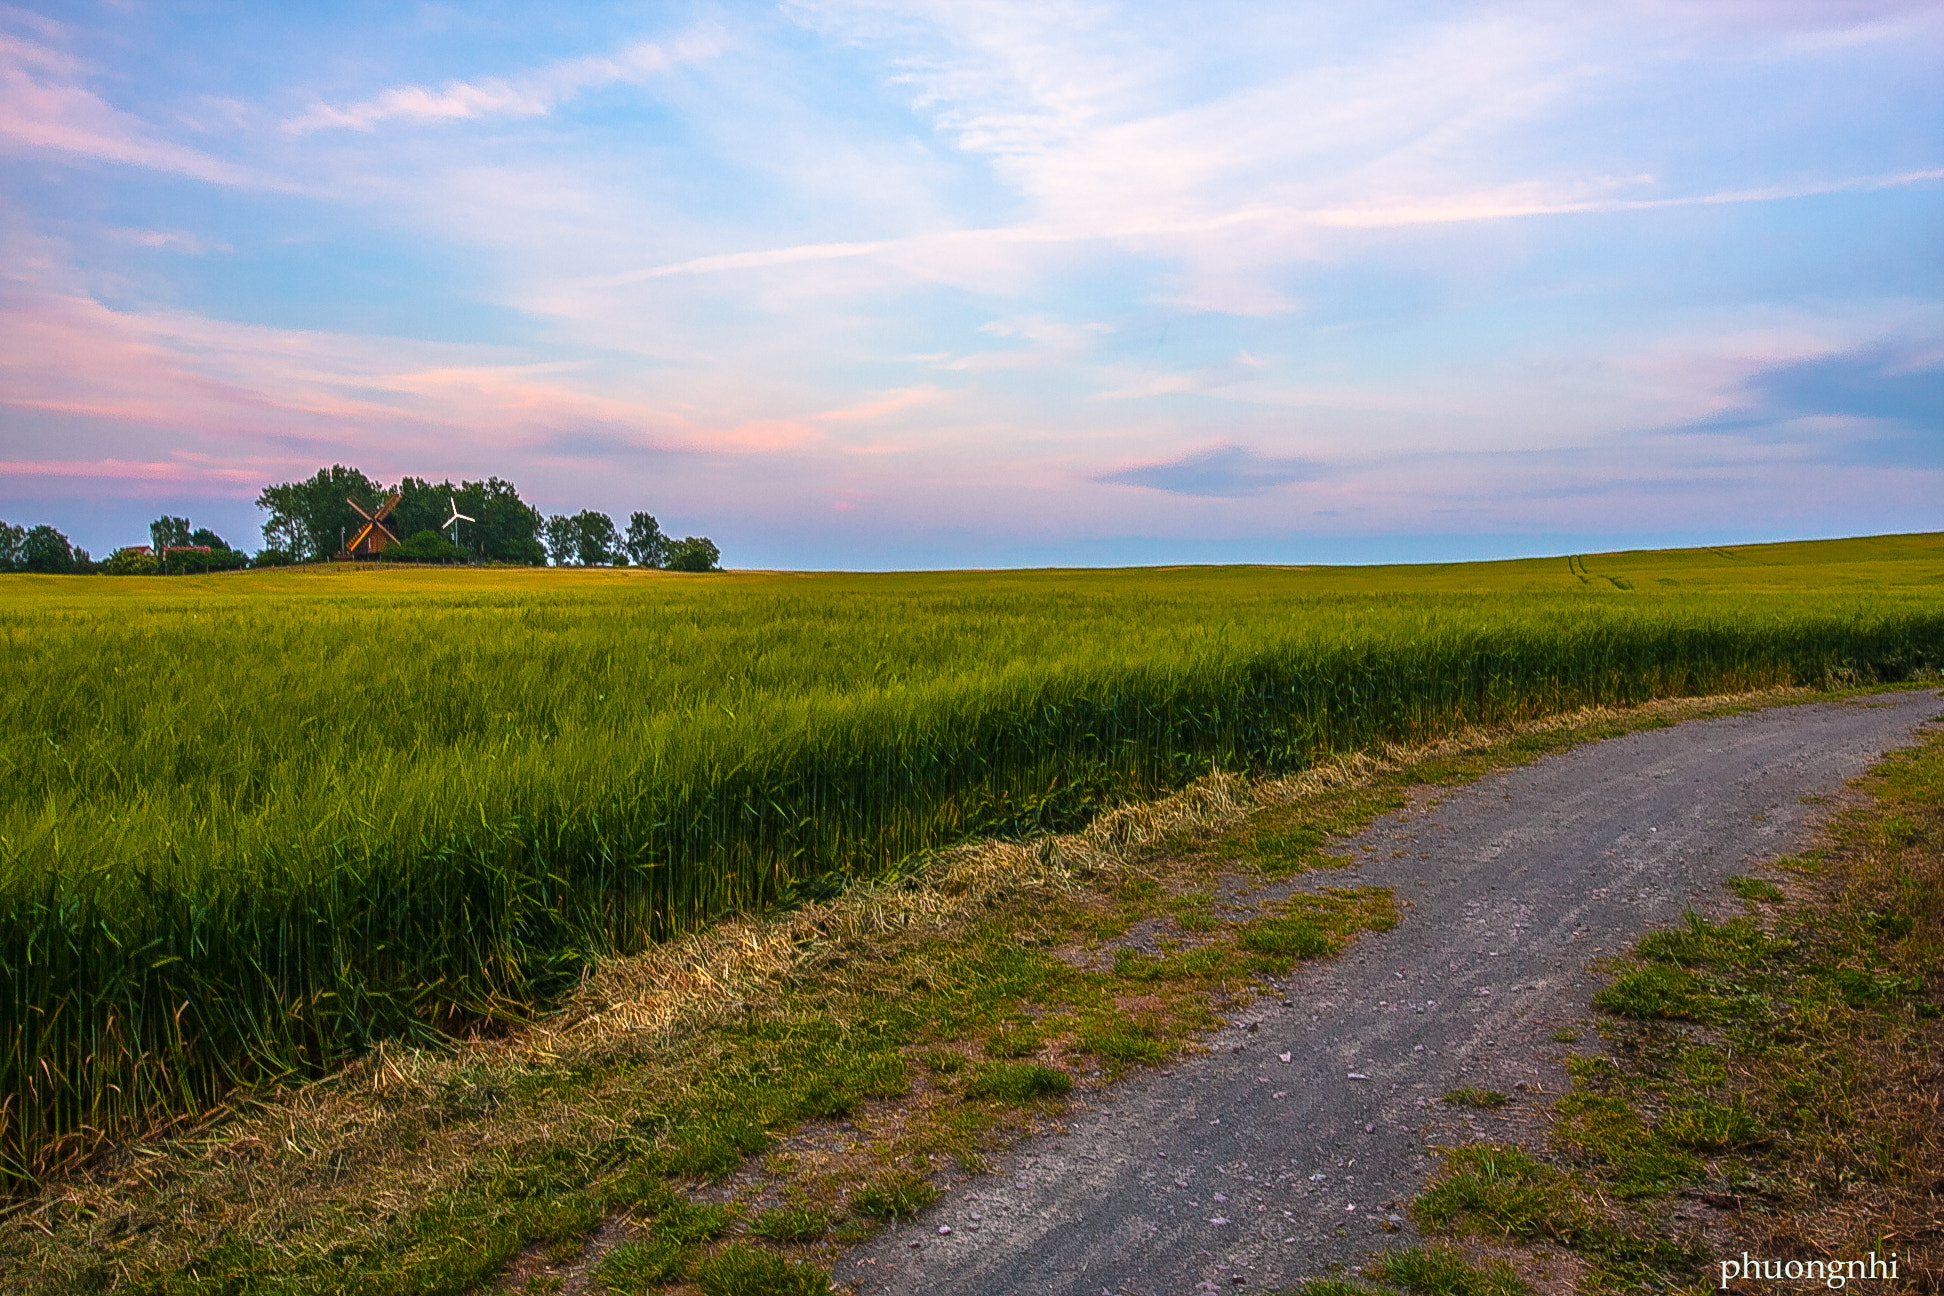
[
  {"x": 461, "y": 517},
  {"x": 358, "y": 539},
  {"x": 361, "y": 513},
  {"x": 384, "y": 510}
]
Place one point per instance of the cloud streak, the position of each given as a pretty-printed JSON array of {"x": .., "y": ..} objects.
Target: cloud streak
[
  {"x": 1522, "y": 203},
  {"x": 1219, "y": 472},
  {"x": 535, "y": 94},
  {"x": 46, "y": 107}
]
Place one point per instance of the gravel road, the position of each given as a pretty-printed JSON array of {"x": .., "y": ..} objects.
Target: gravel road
[{"x": 1276, "y": 1153}]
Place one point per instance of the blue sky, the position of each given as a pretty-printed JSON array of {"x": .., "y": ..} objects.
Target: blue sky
[{"x": 982, "y": 284}]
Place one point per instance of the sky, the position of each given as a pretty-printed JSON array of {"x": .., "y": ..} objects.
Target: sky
[{"x": 980, "y": 284}]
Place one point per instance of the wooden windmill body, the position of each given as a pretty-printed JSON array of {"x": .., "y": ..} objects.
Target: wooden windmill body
[{"x": 374, "y": 537}]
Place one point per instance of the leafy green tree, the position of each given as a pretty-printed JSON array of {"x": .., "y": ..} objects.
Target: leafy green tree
[
  {"x": 598, "y": 544},
  {"x": 44, "y": 549},
  {"x": 645, "y": 544},
  {"x": 271, "y": 557},
  {"x": 166, "y": 532},
  {"x": 12, "y": 540},
  {"x": 693, "y": 554},
  {"x": 563, "y": 540},
  {"x": 182, "y": 562},
  {"x": 129, "y": 562},
  {"x": 204, "y": 536},
  {"x": 426, "y": 546},
  {"x": 505, "y": 528}
]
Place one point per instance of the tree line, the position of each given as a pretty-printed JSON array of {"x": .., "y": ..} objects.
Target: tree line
[{"x": 314, "y": 519}]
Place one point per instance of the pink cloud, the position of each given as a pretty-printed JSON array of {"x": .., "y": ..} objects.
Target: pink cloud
[
  {"x": 188, "y": 398},
  {"x": 44, "y": 106},
  {"x": 890, "y": 402},
  {"x": 534, "y": 95}
]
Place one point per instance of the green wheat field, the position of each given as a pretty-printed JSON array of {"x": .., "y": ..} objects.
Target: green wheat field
[{"x": 250, "y": 824}]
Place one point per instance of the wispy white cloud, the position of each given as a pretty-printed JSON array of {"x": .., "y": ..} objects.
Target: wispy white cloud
[
  {"x": 534, "y": 94},
  {"x": 1513, "y": 202},
  {"x": 168, "y": 240}
]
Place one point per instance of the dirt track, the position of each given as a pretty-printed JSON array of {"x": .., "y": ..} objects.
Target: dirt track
[{"x": 1237, "y": 1171}]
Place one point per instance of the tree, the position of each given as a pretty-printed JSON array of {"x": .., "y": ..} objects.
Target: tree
[
  {"x": 425, "y": 546},
  {"x": 504, "y": 528},
  {"x": 599, "y": 546},
  {"x": 563, "y": 540},
  {"x": 130, "y": 562},
  {"x": 46, "y": 550},
  {"x": 182, "y": 561},
  {"x": 645, "y": 543},
  {"x": 12, "y": 538},
  {"x": 167, "y": 532},
  {"x": 693, "y": 554},
  {"x": 204, "y": 536}
]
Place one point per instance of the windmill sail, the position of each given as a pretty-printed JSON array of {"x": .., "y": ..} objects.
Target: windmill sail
[{"x": 374, "y": 537}]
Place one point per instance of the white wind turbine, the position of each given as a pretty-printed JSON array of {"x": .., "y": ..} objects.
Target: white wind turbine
[{"x": 452, "y": 523}]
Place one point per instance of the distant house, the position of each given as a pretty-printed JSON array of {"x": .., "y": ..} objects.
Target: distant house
[
  {"x": 143, "y": 550},
  {"x": 201, "y": 549}
]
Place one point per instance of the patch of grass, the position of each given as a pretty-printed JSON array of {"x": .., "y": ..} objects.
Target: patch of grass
[
  {"x": 893, "y": 1197},
  {"x": 1712, "y": 1127},
  {"x": 1314, "y": 926},
  {"x": 1015, "y": 1041},
  {"x": 1283, "y": 940},
  {"x": 1566, "y": 1035},
  {"x": 1754, "y": 888},
  {"x": 943, "y": 1061},
  {"x": 1442, "y": 1271},
  {"x": 739, "y": 1270},
  {"x": 1472, "y": 1096},
  {"x": 689, "y": 1222},
  {"x": 1500, "y": 1193},
  {"x": 1193, "y": 911},
  {"x": 1124, "y": 1043},
  {"x": 1655, "y": 991},
  {"x": 884, "y": 1075},
  {"x": 1736, "y": 943},
  {"x": 634, "y": 1266},
  {"x": 1607, "y": 1132},
  {"x": 791, "y": 1224},
  {"x": 1497, "y": 1190},
  {"x": 710, "y": 1151},
  {"x": 1019, "y": 1082},
  {"x": 1702, "y": 1066}
]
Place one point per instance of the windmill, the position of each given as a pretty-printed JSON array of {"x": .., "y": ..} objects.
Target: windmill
[
  {"x": 452, "y": 523},
  {"x": 374, "y": 537}
]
